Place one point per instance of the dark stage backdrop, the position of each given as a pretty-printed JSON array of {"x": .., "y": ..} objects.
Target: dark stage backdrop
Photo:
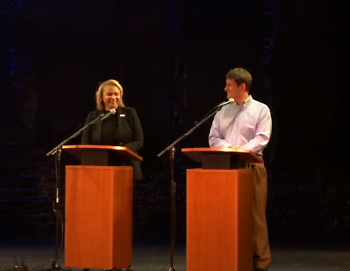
[{"x": 171, "y": 58}]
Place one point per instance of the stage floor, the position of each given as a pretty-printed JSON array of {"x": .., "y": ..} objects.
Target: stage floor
[{"x": 155, "y": 257}]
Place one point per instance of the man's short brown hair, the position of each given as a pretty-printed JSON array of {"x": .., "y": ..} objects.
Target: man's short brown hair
[{"x": 240, "y": 76}]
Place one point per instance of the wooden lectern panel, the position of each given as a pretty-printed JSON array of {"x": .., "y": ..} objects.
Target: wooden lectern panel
[
  {"x": 99, "y": 155},
  {"x": 98, "y": 217},
  {"x": 219, "y": 220},
  {"x": 221, "y": 158}
]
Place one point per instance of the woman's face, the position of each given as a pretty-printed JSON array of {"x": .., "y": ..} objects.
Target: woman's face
[{"x": 110, "y": 97}]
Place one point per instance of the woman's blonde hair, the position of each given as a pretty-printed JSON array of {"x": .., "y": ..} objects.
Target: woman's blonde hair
[{"x": 99, "y": 93}]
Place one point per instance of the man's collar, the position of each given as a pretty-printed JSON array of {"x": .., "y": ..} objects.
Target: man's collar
[{"x": 246, "y": 102}]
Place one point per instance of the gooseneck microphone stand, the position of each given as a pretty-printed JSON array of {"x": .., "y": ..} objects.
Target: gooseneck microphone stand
[
  {"x": 171, "y": 149},
  {"x": 57, "y": 151}
]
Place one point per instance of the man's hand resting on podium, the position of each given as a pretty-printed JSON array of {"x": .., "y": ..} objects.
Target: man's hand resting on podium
[{"x": 238, "y": 148}]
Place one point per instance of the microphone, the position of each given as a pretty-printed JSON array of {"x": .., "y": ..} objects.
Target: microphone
[
  {"x": 231, "y": 100},
  {"x": 104, "y": 116}
]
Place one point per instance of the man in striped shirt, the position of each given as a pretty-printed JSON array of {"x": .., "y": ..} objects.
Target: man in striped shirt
[{"x": 246, "y": 124}]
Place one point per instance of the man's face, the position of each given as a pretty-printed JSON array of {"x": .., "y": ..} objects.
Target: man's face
[{"x": 233, "y": 90}]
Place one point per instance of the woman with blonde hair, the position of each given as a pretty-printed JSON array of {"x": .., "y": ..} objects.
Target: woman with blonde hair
[{"x": 120, "y": 129}]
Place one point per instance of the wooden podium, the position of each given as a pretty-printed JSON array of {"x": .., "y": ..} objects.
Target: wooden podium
[
  {"x": 220, "y": 210},
  {"x": 98, "y": 226}
]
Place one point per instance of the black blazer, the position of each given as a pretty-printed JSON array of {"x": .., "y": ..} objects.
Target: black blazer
[{"x": 129, "y": 129}]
